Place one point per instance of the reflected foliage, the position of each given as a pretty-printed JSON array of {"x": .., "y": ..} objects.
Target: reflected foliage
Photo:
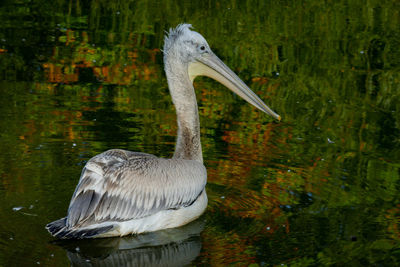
[{"x": 319, "y": 188}]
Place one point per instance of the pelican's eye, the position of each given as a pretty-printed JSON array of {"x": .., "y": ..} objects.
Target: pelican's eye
[{"x": 202, "y": 48}]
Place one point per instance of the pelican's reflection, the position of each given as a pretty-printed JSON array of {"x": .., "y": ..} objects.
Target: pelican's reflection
[{"x": 169, "y": 247}]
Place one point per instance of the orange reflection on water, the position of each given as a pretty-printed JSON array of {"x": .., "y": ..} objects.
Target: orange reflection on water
[{"x": 117, "y": 66}]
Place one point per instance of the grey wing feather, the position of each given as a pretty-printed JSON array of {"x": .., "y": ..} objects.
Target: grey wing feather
[{"x": 120, "y": 185}]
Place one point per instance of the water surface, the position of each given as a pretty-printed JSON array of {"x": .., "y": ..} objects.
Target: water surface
[{"x": 321, "y": 187}]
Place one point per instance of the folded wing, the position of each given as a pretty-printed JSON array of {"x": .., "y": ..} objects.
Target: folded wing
[{"x": 120, "y": 185}]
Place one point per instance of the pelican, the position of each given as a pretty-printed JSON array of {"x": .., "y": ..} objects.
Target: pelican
[{"x": 122, "y": 192}]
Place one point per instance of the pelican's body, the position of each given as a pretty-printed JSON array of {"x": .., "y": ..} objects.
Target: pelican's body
[{"x": 122, "y": 192}]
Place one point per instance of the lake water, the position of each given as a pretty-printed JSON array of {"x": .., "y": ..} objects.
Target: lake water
[{"x": 321, "y": 187}]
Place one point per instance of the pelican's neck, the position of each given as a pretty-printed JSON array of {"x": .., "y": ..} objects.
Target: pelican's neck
[{"x": 188, "y": 144}]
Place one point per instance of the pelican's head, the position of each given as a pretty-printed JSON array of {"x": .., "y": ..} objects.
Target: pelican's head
[{"x": 190, "y": 48}]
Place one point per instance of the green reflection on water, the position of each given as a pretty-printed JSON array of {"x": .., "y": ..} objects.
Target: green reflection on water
[{"x": 320, "y": 187}]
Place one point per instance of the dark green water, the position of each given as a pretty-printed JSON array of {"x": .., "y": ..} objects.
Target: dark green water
[{"x": 321, "y": 187}]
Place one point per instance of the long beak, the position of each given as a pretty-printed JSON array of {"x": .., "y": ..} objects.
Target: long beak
[{"x": 210, "y": 65}]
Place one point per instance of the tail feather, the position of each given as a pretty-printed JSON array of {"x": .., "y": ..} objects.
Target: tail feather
[
  {"x": 60, "y": 230},
  {"x": 56, "y": 226}
]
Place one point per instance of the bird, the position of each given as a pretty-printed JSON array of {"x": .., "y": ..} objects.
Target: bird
[{"x": 122, "y": 192}]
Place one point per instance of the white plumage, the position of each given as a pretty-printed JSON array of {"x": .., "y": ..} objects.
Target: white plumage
[{"x": 122, "y": 192}]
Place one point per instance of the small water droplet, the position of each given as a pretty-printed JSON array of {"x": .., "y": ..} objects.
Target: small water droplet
[
  {"x": 268, "y": 228},
  {"x": 277, "y": 74},
  {"x": 330, "y": 141},
  {"x": 39, "y": 147},
  {"x": 23, "y": 39},
  {"x": 222, "y": 197},
  {"x": 51, "y": 255},
  {"x": 11, "y": 238},
  {"x": 94, "y": 60},
  {"x": 118, "y": 12},
  {"x": 17, "y": 208},
  {"x": 74, "y": 144},
  {"x": 361, "y": 52},
  {"x": 77, "y": 249},
  {"x": 38, "y": 262}
]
